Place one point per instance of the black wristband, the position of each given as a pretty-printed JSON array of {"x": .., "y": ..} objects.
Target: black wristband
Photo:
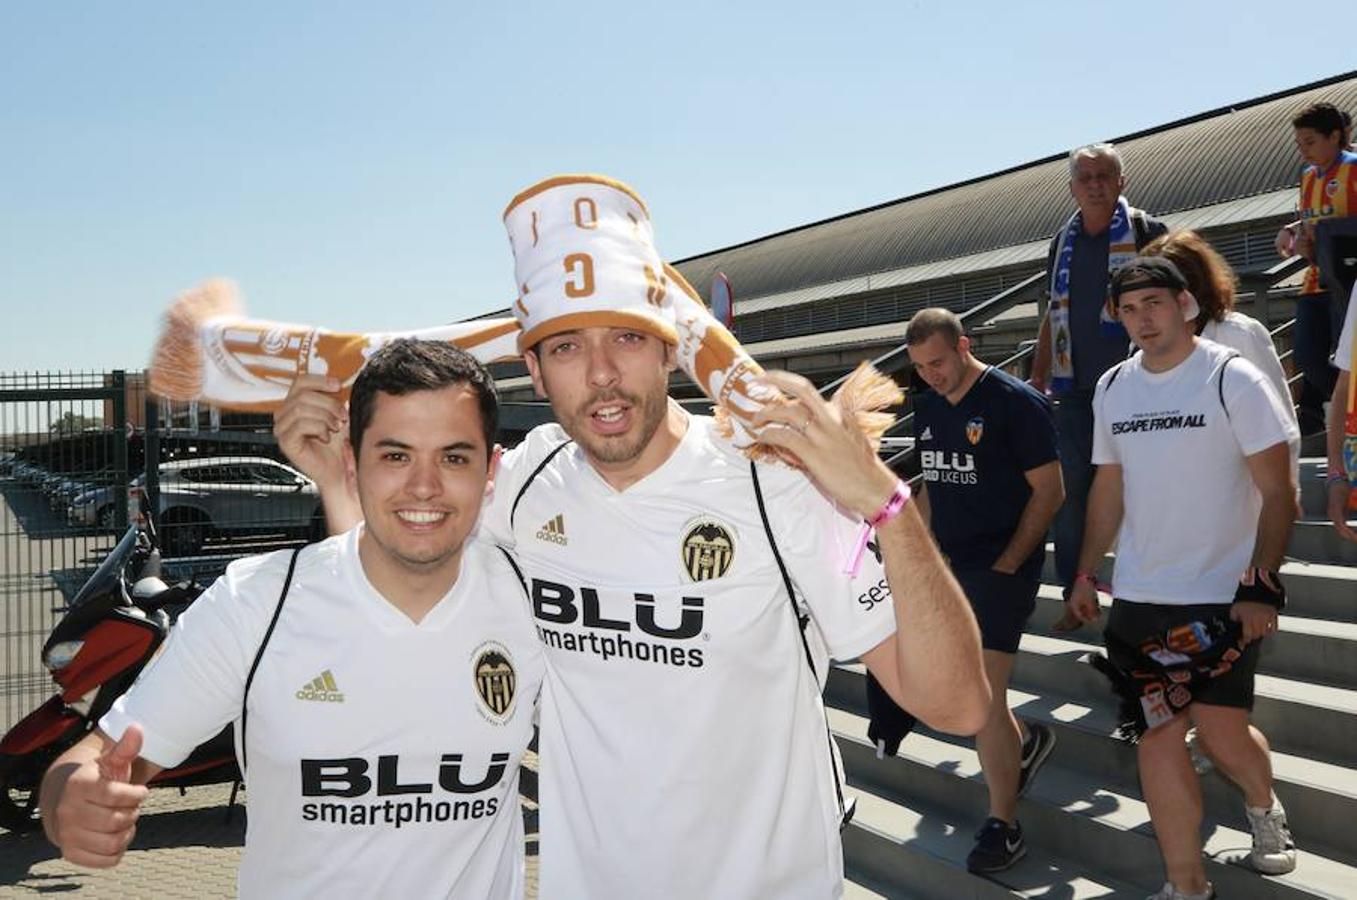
[{"x": 1259, "y": 585}]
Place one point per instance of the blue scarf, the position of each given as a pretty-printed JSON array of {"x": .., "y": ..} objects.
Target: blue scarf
[{"x": 1121, "y": 249}]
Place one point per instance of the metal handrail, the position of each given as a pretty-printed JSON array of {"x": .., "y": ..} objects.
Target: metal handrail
[
  {"x": 897, "y": 358},
  {"x": 1274, "y": 273},
  {"x": 1285, "y": 326},
  {"x": 902, "y": 456}
]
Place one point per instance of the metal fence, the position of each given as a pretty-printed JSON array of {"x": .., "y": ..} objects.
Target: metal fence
[
  {"x": 62, "y": 435},
  {"x": 81, "y": 455}
]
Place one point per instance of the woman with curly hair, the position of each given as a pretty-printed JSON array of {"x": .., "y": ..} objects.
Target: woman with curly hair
[{"x": 1212, "y": 282}]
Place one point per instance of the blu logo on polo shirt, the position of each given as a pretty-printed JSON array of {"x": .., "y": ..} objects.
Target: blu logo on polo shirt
[{"x": 976, "y": 455}]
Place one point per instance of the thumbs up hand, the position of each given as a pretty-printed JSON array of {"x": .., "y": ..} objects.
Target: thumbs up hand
[{"x": 89, "y": 803}]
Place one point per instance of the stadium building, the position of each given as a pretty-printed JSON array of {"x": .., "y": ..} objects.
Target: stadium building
[{"x": 819, "y": 298}]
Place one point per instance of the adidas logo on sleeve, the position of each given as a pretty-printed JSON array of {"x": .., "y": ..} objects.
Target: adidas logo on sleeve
[
  {"x": 553, "y": 531},
  {"x": 322, "y": 688}
]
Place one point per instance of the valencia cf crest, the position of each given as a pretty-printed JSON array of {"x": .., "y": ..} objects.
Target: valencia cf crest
[
  {"x": 975, "y": 428},
  {"x": 1331, "y": 189},
  {"x": 494, "y": 678},
  {"x": 708, "y": 550}
]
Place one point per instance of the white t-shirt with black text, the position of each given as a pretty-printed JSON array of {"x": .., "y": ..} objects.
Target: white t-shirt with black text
[
  {"x": 1190, "y": 506},
  {"x": 1342, "y": 356},
  {"x": 383, "y": 755}
]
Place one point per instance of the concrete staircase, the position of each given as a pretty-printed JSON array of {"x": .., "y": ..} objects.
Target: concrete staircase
[{"x": 1087, "y": 828}]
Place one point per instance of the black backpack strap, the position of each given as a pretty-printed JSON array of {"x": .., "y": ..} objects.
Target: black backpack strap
[
  {"x": 1220, "y": 384},
  {"x": 1115, "y": 370},
  {"x": 513, "y": 510},
  {"x": 1141, "y": 223},
  {"x": 801, "y": 618},
  {"x": 845, "y": 813},
  {"x": 259, "y": 655}
]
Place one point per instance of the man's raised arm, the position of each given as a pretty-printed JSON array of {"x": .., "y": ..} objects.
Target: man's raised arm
[
  {"x": 932, "y": 664},
  {"x": 311, "y": 428}
]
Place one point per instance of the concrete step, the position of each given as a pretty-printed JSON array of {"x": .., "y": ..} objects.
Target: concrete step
[
  {"x": 1314, "y": 590},
  {"x": 1320, "y": 799},
  {"x": 1071, "y": 816},
  {"x": 921, "y": 853},
  {"x": 1314, "y": 492},
  {"x": 1310, "y": 720},
  {"x": 860, "y": 890},
  {"x": 1324, "y": 652},
  {"x": 1317, "y": 541}
]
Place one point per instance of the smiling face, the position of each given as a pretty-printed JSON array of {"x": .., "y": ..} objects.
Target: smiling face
[
  {"x": 609, "y": 389},
  {"x": 421, "y": 474}
]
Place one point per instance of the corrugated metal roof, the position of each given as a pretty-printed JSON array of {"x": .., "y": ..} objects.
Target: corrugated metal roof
[
  {"x": 1229, "y": 164},
  {"x": 865, "y": 336},
  {"x": 1246, "y": 209}
]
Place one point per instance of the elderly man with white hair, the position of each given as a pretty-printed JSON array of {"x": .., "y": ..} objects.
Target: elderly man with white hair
[{"x": 1080, "y": 339}]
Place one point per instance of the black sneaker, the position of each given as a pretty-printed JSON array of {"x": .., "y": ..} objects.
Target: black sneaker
[
  {"x": 997, "y": 846},
  {"x": 1038, "y": 746}
]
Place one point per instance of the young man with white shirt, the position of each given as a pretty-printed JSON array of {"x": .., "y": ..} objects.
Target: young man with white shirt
[
  {"x": 382, "y": 683},
  {"x": 688, "y": 599},
  {"x": 1191, "y": 445}
]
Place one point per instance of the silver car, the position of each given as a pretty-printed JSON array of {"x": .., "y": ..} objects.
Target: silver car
[{"x": 217, "y": 496}]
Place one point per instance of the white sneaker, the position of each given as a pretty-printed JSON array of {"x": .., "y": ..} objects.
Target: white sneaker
[
  {"x": 1274, "y": 852},
  {"x": 1169, "y": 892}
]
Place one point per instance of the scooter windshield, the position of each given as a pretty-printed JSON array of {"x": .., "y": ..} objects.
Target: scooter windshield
[{"x": 108, "y": 576}]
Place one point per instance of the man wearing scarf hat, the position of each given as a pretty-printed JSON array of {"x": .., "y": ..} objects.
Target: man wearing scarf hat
[
  {"x": 689, "y": 598},
  {"x": 1191, "y": 444}
]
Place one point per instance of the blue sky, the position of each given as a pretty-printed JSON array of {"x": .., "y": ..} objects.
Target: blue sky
[{"x": 348, "y": 163}]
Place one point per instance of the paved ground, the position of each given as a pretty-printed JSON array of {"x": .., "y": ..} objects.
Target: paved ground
[{"x": 185, "y": 848}]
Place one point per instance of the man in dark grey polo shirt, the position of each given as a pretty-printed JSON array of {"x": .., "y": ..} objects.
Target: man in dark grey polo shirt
[{"x": 1079, "y": 340}]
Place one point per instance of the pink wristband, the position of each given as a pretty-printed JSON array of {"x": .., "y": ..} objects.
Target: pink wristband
[{"x": 889, "y": 510}]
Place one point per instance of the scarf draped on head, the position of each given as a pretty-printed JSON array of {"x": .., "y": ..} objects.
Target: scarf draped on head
[
  {"x": 1121, "y": 239},
  {"x": 1157, "y": 677},
  {"x": 585, "y": 256}
]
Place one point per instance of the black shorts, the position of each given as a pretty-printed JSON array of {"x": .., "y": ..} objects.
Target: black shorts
[
  {"x": 1002, "y": 604},
  {"x": 1133, "y": 622}
]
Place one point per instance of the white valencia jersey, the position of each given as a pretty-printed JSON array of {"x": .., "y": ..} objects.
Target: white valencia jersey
[
  {"x": 684, "y": 746},
  {"x": 382, "y": 754}
]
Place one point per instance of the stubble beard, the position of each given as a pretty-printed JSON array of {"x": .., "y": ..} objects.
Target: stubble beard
[{"x": 649, "y": 411}]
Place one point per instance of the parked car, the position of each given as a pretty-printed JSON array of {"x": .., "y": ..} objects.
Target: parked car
[
  {"x": 217, "y": 497},
  {"x": 94, "y": 506}
]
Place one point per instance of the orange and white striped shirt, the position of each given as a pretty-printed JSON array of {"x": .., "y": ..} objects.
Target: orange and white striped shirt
[{"x": 1326, "y": 195}]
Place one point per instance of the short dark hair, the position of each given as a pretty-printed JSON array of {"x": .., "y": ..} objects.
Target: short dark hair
[
  {"x": 931, "y": 321},
  {"x": 407, "y": 365},
  {"x": 1324, "y": 118}
]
